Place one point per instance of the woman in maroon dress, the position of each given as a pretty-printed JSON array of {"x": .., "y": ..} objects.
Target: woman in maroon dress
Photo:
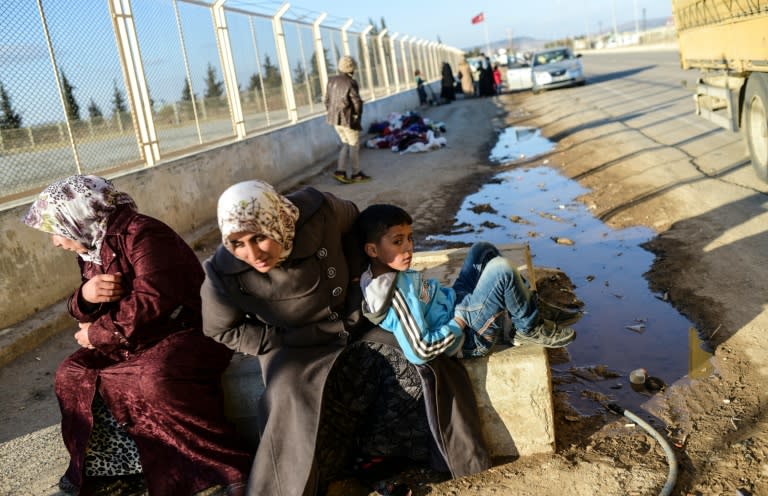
[{"x": 143, "y": 393}]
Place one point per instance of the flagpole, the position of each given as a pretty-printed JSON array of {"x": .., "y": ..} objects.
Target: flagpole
[{"x": 487, "y": 42}]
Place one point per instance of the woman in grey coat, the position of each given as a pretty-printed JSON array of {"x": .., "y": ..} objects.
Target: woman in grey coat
[{"x": 284, "y": 286}]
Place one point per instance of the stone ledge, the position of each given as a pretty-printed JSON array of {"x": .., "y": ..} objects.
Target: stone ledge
[{"x": 512, "y": 385}]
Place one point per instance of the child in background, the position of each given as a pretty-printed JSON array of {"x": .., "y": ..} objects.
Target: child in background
[
  {"x": 497, "y": 79},
  {"x": 420, "y": 88},
  {"x": 464, "y": 320}
]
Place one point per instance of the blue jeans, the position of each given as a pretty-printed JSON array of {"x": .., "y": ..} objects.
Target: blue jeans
[{"x": 487, "y": 287}]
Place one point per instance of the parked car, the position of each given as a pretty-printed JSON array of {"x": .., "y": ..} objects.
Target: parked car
[
  {"x": 556, "y": 68},
  {"x": 519, "y": 76}
]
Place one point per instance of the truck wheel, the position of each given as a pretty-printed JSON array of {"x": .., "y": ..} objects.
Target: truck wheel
[{"x": 756, "y": 123}]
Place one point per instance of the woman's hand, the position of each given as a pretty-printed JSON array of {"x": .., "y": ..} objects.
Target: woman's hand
[
  {"x": 103, "y": 288},
  {"x": 81, "y": 336}
]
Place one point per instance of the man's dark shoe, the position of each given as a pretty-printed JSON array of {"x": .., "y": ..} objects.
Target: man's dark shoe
[
  {"x": 547, "y": 334},
  {"x": 558, "y": 315},
  {"x": 360, "y": 177},
  {"x": 341, "y": 176}
]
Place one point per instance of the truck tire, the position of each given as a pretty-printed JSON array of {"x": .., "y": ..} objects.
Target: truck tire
[{"x": 756, "y": 123}]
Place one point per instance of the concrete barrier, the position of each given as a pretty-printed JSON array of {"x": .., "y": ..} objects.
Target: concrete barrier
[{"x": 513, "y": 385}]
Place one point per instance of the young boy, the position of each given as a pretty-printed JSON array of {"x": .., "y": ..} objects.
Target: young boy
[{"x": 428, "y": 319}]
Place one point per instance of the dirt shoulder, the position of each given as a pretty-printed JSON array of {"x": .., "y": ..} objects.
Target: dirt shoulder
[{"x": 710, "y": 255}]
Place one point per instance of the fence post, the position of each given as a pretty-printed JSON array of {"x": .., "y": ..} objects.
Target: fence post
[
  {"x": 367, "y": 58},
  {"x": 228, "y": 68},
  {"x": 282, "y": 59},
  {"x": 55, "y": 67},
  {"x": 380, "y": 40},
  {"x": 187, "y": 74},
  {"x": 393, "y": 56},
  {"x": 322, "y": 69},
  {"x": 345, "y": 36},
  {"x": 404, "y": 58},
  {"x": 133, "y": 73}
]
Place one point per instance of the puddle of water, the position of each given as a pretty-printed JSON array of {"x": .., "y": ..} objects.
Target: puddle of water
[
  {"x": 516, "y": 143},
  {"x": 537, "y": 204}
]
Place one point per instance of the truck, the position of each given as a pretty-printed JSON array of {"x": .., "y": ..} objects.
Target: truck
[{"x": 727, "y": 42}]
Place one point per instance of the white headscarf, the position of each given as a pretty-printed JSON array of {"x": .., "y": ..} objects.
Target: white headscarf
[
  {"x": 255, "y": 207},
  {"x": 78, "y": 208}
]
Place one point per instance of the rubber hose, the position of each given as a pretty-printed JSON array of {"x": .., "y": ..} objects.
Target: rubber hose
[{"x": 671, "y": 459}]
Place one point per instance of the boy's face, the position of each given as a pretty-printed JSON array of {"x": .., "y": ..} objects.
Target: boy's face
[{"x": 394, "y": 250}]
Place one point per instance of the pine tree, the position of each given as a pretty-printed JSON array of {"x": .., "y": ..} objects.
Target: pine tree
[
  {"x": 254, "y": 83},
  {"x": 271, "y": 74},
  {"x": 10, "y": 118},
  {"x": 118, "y": 100},
  {"x": 213, "y": 88},
  {"x": 299, "y": 76},
  {"x": 70, "y": 103},
  {"x": 186, "y": 92},
  {"x": 94, "y": 112}
]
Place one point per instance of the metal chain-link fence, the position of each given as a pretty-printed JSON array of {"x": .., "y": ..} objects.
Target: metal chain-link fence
[{"x": 98, "y": 86}]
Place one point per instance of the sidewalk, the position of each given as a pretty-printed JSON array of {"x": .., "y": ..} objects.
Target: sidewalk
[{"x": 430, "y": 185}]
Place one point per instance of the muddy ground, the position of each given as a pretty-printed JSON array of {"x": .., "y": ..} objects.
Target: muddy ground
[{"x": 717, "y": 424}]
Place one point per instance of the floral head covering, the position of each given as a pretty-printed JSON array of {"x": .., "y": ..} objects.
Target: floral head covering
[
  {"x": 255, "y": 207},
  {"x": 78, "y": 208}
]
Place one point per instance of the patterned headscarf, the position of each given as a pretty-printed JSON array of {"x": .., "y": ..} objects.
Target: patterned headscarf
[
  {"x": 78, "y": 208},
  {"x": 255, "y": 207}
]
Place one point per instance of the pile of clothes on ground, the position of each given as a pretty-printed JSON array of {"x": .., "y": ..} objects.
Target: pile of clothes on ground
[{"x": 406, "y": 133}]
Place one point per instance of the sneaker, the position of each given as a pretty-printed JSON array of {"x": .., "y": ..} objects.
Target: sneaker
[
  {"x": 558, "y": 315},
  {"x": 341, "y": 176},
  {"x": 359, "y": 178},
  {"x": 547, "y": 334}
]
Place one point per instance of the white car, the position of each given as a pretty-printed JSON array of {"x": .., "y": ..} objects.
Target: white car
[
  {"x": 519, "y": 76},
  {"x": 556, "y": 68}
]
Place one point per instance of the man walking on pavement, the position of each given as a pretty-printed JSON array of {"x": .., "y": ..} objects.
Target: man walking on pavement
[{"x": 345, "y": 112}]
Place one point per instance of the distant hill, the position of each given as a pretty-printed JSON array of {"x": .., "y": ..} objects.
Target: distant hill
[{"x": 526, "y": 43}]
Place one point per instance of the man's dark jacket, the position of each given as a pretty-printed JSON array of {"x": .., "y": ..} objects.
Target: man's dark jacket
[{"x": 343, "y": 103}]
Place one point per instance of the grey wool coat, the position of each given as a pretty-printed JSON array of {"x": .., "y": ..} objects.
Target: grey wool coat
[{"x": 297, "y": 318}]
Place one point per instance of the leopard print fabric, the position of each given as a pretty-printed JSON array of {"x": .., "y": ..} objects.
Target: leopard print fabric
[{"x": 111, "y": 451}]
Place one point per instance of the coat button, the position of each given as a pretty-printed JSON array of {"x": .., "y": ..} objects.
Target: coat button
[
  {"x": 331, "y": 272},
  {"x": 333, "y": 317},
  {"x": 322, "y": 253},
  {"x": 337, "y": 291}
]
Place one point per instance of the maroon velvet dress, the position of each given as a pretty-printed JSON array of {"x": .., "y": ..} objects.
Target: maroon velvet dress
[{"x": 155, "y": 371}]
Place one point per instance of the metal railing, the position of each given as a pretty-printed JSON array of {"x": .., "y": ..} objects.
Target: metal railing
[{"x": 97, "y": 86}]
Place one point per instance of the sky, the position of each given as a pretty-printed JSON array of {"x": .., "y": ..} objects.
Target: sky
[{"x": 450, "y": 20}]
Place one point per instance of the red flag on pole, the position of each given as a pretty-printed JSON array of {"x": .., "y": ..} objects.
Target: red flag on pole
[{"x": 478, "y": 18}]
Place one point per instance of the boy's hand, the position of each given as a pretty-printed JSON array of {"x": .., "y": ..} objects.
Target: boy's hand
[{"x": 460, "y": 321}]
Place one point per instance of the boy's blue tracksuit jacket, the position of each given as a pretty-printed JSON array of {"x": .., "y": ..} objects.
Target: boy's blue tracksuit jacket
[{"x": 418, "y": 311}]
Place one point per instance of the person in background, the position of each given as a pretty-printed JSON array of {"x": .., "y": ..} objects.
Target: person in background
[
  {"x": 428, "y": 319},
  {"x": 447, "y": 84},
  {"x": 497, "y": 79},
  {"x": 467, "y": 81},
  {"x": 486, "y": 86},
  {"x": 345, "y": 112},
  {"x": 422, "y": 92},
  {"x": 141, "y": 399},
  {"x": 284, "y": 286}
]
